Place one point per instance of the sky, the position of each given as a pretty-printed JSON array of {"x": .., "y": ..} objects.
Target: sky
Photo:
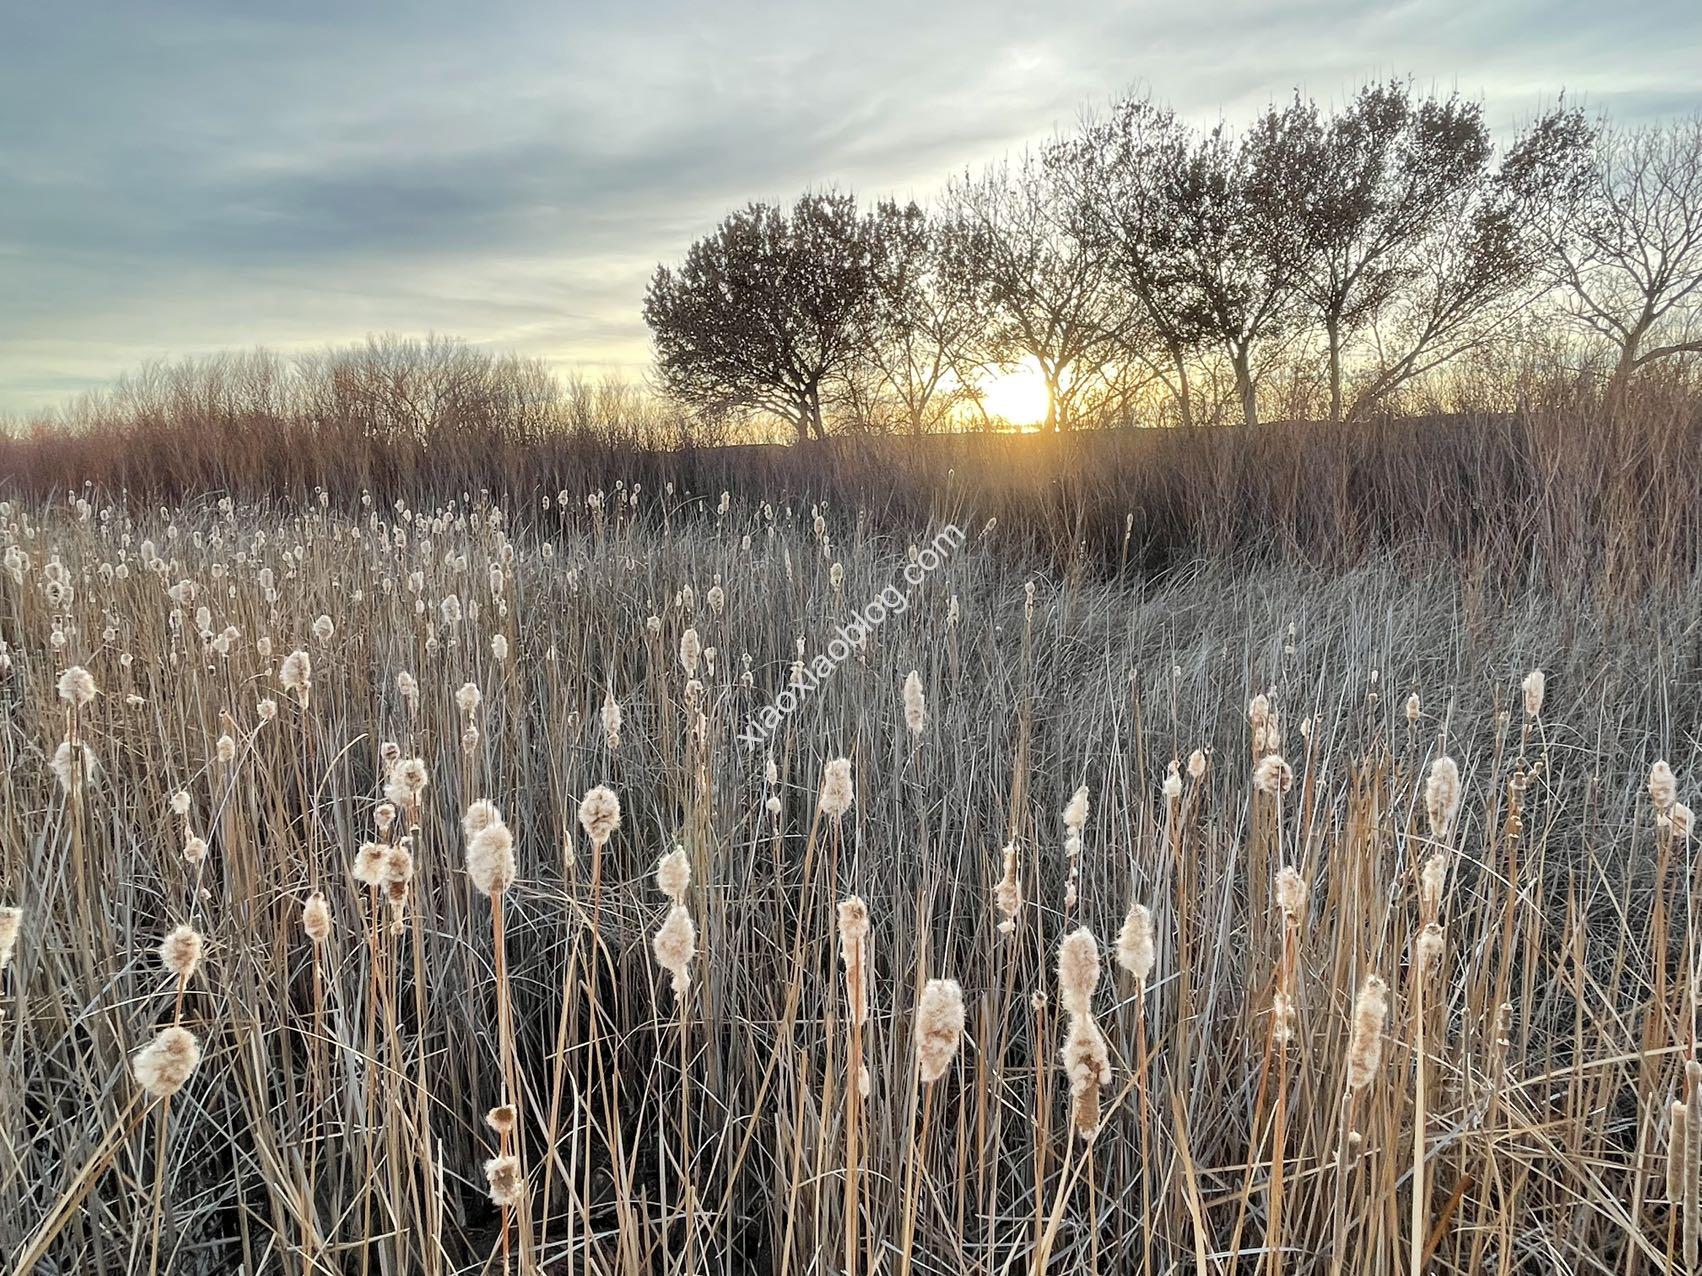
[{"x": 179, "y": 177}]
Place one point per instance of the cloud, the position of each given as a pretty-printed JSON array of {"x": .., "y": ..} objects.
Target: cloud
[{"x": 196, "y": 174}]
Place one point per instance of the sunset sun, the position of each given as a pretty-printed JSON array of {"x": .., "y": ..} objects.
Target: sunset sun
[{"x": 1018, "y": 394}]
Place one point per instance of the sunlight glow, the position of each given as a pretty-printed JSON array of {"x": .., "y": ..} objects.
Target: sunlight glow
[{"x": 1017, "y": 394}]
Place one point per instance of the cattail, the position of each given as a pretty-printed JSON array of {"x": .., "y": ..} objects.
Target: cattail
[
  {"x": 1273, "y": 775},
  {"x": 66, "y": 759},
  {"x": 690, "y": 651},
  {"x": 1078, "y": 970},
  {"x": 1172, "y": 786},
  {"x": 76, "y": 686},
  {"x": 408, "y": 780},
  {"x": 939, "y": 1027},
  {"x": 194, "y": 849},
  {"x": 1007, "y": 895},
  {"x": 1432, "y": 879},
  {"x": 1258, "y": 712},
  {"x": 163, "y": 1065},
  {"x": 1365, "y": 1042},
  {"x": 180, "y": 803},
  {"x": 384, "y": 816},
  {"x": 835, "y": 798},
  {"x": 296, "y": 674},
  {"x": 1535, "y": 686},
  {"x": 1291, "y": 893},
  {"x": 502, "y": 1176},
  {"x": 1413, "y": 709},
  {"x": 224, "y": 748},
  {"x": 853, "y": 915},
  {"x": 600, "y": 814},
  {"x": 316, "y": 918},
  {"x": 481, "y": 813},
  {"x": 11, "y": 922},
  {"x": 369, "y": 864},
  {"x": 1663, "y": 786},
  {"x": 490, "y": 859},
  {"x": 1282, "y": 1018},
  {"x": 1681, "y": 819},
  {"x": 1075, "y": 811},
  {"x": 1196, "y": 764},
  {"x": 1442, "y": 795},
  {"x": 502, "y": 1119},
  {"x": 612, "y": 720},
  {"x": 1427, "y": 948},
  {"x": 915, "y": 704},
  {"x": 323, "y": 629},
  {"x": 408, "y": 687},
  {"x": 1135, "y": 952},
  {"x": 673, "y": 874},
  {"x": 1087, "y": 1065},
  {"x": 181, "y": 951},
  {"x": 266, "y": 709},
  {"x": 467, "y": 699},
  {"x": 674, "y": 944}
]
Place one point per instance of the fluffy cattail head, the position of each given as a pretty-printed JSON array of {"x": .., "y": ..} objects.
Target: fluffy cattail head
[
  {"x": 600, "y": 814},
  {"x": 674, "y": 944},
  {"x": 76, "y": 686},
  {"x": 1135, "y": 949},
  {"x": 11, "y": 922},
  {"x": 1291, "y": 893},
  {"x": 181, "y": 951},
  {"x": 1432, "y": 880},
  {"x": 1442, "y": 795},
  {"x": 467, "y": 699},
  {"x": 316, "y": 918},
  {"x": 1087, "y": 1065},
  {"x": 1535, "y": 686},
  {"x": 481, "y": 813},
  {"x": 163, "y": 1065},
  {"x": 673, "y": 874},
  {"x": 835, "y": 798},
  {"x": 1196, "y": 764},
  {"x": 1428, "y": 949},
  {"x": 1663, "y": 786},
  {"x": 369, "y": 864},
  {"x": 1365, "y": 1041},
  {"x": 1075, "y": 811},
  {"x": 490, "y": 859},
  {"x": 939, "y": 1027},
  {"x": 296, "y": 673},
  {"x": 915, "y": 704},
  {"x": 502, "y": 1119},
  {"x": 1273, "y": 775},
  {"x": 1078, "y": 970},
  {"x": 1414, "y": 710},
  {"x": 503, "y": 1180},
  {"x": 691, "y": 649},
  {"x": 1007, "y": 895}
]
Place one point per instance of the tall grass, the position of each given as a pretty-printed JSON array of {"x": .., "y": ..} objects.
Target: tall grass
[{"x": 1510, "y": 1111}]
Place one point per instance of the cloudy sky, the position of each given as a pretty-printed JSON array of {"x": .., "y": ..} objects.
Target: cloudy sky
[{"x": 182, "y": 176}]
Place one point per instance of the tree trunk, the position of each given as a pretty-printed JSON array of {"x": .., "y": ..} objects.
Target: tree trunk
[
  {"x": 1332, "y": 326},
  {"x": 1184, "y": 395},
  {"x": 815, "y": 413},
  {"x": 1242, "y": 361}
]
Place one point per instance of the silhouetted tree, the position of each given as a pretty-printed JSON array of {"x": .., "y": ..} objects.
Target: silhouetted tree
[
  {"x": 1051, "y": 296},
  {"x": 766, "y": 311},
  {"x": 1630, "y": 254}
]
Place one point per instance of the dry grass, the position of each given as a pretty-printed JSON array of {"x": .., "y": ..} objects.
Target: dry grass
[{"x": 1513, "y": 1115}]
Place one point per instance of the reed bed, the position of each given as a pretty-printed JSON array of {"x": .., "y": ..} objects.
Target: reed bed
[{"x": 398, "y": 895}]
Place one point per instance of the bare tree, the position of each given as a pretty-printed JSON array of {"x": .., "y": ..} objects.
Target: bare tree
[
  {"x": 766, "y": 311},
  {"x": 1119, "y": 177},
  {"x": 926, "y": 326},
  {"x": 1630, "y": 256},
  {"x": 1052, "y": 296}
]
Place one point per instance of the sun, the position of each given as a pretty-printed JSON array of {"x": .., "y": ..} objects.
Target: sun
[{"x": 1017, "y": 394}]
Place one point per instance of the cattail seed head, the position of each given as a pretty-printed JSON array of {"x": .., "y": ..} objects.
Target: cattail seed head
[
  {"x": 1432, "y": 880},
  {"x": 490, "y": 859},
  {"x": 180, "y": 803},
  {"x": 673, "y": 874},
  {"x": 1414, "y": 710},
  {"x": 1135, "y": 949},
  {"x": 467, "y": 699},
  {"x": 163, "y": 1065},
  {"x": 181, "y": 951},
  {"x": 316, "y": 918},
  {"x": 1535, "y": 687},
  {"x": 1428, "y": 949},
  {"x": 1663, "y": 786},
  {"x": 691, "y": 649},
  {"x": 915, "y": 703},
  {"x": 1078, "y": 970},
  {"x": 1442, "y": 795},
  {"x": 674, "y": 944},
  {"x": 481, "y": 813},
  {"x": 1681, "y": 820},
  {"x": 502, "y": 1178},
  {"x": 835, "y": 798},
  {"x": 1196, "y": 764},
  {"x": 1075, "y": 811},
  {"x": 296, "y": 674},
  {"x": 11, "y": 923},
  {"x": 1365, "y": 1041},
  {"x": 939, "y": 1027},
  {"x": 1291, "y": 894},
  {"x": 502, "y": 1119},
  {"x": 1087, "y": 1064},
  {"x": 77, "y": 686},
  {"x": 600, "y": 814},
  {"x": 1678, "y": 1150},
  {"x": 1007, "y": 895},
  {"x": 369, "y": 864},
  {"x": 1273, "y": 775}
]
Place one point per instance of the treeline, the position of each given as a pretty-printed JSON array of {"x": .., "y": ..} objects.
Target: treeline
[{"x": 1326, "y": 262}]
